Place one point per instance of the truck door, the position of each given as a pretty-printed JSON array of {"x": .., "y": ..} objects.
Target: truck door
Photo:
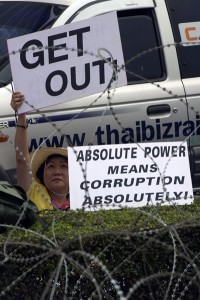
[{"x": 185, "y": 20}]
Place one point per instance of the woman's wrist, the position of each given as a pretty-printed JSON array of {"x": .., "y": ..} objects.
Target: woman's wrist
[
  {"x": 21, "y": 121},
  {"x": 22, "y": 126}
]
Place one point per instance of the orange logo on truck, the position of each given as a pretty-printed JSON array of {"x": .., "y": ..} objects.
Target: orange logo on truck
[
  {"x": 190, "y": 33},
  {"x": 188, "y": 36}
]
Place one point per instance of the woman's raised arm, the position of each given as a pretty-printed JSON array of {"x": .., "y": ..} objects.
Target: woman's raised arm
[{"x": 21, "y": 144}]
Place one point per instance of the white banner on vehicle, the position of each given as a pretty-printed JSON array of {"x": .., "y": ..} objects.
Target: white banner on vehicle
[
  {"x": 190, "y": 33},
  {"x": 129, "y": 175},
  {"x": 67, "y": 62}
]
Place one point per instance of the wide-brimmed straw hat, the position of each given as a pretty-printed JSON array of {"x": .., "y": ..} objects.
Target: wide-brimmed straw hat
[{"x": 39, "y": 156}]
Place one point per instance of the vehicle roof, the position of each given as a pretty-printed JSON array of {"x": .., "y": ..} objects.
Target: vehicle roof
[
  {"x": 111, "y": 5},
  {"x": 62, "y": 2}
]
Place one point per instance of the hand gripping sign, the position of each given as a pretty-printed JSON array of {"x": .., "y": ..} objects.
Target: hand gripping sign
[{"x": 65, "y": 63}]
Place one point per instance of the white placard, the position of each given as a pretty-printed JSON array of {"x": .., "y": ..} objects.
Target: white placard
[
  {"x": 129, "y": 175},
  {"x": 48, "y": 75}
]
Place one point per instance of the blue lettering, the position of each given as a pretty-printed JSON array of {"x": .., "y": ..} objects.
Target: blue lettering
[
  {"x": 34, "y": 144},
  {"x": 140, "y": 131},
  {"x": 112, "y": 132},
  {"x": 148, "y": 132},
  {"x": 166, "y": 133},
  {"x": 129, "y": 136},
  {"x": 55, "y": 142},
  {"x": 76, "y": 140},
  {"x": 189, "y": 129},
  {"x": 177, "y": 128}
]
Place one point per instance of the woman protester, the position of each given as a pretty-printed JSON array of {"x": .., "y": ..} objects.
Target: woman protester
[{"x": 44, "y": 173}]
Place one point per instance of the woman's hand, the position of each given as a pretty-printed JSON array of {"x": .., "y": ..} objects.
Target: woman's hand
[{"x": 16, "y": 100}]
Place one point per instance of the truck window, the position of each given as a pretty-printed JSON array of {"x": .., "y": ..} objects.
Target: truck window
[
  {"x": 19, "y": 18},
  {"x": 186, "y": 12},
  {"x": 139, "y": 35}
]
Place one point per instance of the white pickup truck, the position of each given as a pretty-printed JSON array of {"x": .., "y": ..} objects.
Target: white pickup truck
[{"x": 160, "y": 41}]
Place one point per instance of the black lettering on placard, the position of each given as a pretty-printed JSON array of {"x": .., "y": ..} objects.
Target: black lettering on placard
[
  {"x": 147, "y": 151},
  {"x": 137, "y": 198},
  {"x": 96, "y": 154},
  {"x": 128, "y": 198},
  {"x": 119, "y": 199},
  {"x": 113, "y": 169},
  {"x": 134, "y": 152},
  {"x": 39, "y": 55},
  {"x": 128, "y": 181},
  {"x": 165, "y": 151},
  {"x": 167, "y": 180},
  {"x": 101, "y": 64},
  {"x": 178, "y": 195},
  {"x": 64, "y": 79},
  {"x": 182, "y": 150},
  {"x": 82, "y": 86},
  {"x": 96, "y": 184},
  {"x": 139, "y": 180},
  {"x": 84, "y": 185},
  {"x": 118, "y": 182},
  {"x": 108, "y": 199},
  {"x": 133, "y": 169},
  {"x": 124, "y": 169},
  {"x": 98, "y": 200},
  {"x": 52, "y": 48},
  {"x": 74, "y": 84},
  {"x": 153, "y": 168},
  {"x": 126, "y": 150},
  {"x": 80, "y": 156},
  {"x": 87, "y": 201},
  {"x": 159, "y": 196},
  {"x": 79, "y": 33},
  {"x": 179, "y": 180},
  {"x": 88, "y": 155},
  {"x": 149, "y": 196},
  {"x": 103, "y": 154},
  {"x": 140, "y": 197},
  {"x": 107, "y": 183}
]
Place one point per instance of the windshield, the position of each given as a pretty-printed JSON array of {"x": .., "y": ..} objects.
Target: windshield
[{"x": 19, "y": 18}]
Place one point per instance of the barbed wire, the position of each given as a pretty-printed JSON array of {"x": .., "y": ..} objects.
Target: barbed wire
[{"x": 55, "y": 248}]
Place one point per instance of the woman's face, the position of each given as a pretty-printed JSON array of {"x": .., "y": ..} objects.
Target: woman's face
[{"x": 56, "y": 175}]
